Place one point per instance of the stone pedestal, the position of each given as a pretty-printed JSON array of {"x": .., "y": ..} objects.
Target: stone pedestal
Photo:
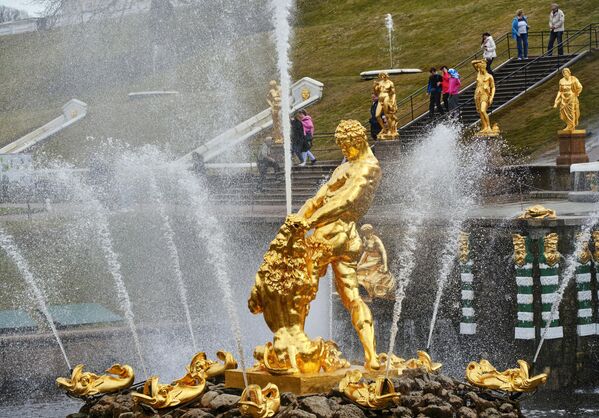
[
  {"x": 300, "y": 384},
  {"x": 387, "y": 150},
  {"x": 572, "y": 147}
]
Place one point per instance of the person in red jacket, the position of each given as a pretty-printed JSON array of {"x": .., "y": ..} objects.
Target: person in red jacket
[{"x": 445, "y": 86}]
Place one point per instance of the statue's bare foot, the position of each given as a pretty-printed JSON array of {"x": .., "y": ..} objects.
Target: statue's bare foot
[{"x": 372, "y": 364}]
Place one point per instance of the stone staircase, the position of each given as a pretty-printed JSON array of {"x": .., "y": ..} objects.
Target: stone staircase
[{"x": 512, "y": 79}]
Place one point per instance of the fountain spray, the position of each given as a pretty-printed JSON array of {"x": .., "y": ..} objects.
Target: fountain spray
[
  {"x": 8, "y": 245},
  {"x": 281, "y": 14},
  {"x": 389, "y": 26},
  {"x": 568, "y": 274}
]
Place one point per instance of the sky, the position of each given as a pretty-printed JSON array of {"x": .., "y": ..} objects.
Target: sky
[{"x": 32, "y": 7}]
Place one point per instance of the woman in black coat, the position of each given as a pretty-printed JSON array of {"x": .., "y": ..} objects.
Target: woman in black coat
[{"x": 297, "y": 137}]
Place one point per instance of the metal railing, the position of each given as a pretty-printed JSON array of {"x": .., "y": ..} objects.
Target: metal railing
[{"x": 416, "y": 104}]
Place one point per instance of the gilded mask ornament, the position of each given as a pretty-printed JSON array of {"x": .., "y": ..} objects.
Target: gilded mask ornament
[
  {"x": 377, "y": 395},
  {"x": 520, "y": 250},
  {"x": 305, "y": 94},
  {"x": 484, "y": 375},
  {"x": 584, "y": 256},
  {"x": 84, "y": 384},
  {"x": 595, "y": 239},
  {"x": 538, "y": 212},
  {"x": 464, "y": 243},
  {"x": 256, "y": 402},
  {"x": 552, "y": 256}
]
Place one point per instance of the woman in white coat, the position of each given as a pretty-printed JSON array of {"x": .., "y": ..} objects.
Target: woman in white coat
[{"x": 489, "y": 50}]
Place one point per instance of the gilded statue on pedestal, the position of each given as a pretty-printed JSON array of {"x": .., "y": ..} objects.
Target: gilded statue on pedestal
[
  {"x": 384, "y": 89},
  {"x": 484, "y": 375},
  {"x": 274, "y": 101},
  {"x": 483, "y": 98},
  {"x": 287, "y": 281},
  {"x": 84, "y": 384},
  {"x": 373, "y": 271},
  {"x": 567, "y": 100}
]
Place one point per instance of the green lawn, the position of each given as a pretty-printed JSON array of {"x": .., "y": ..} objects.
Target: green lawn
[{"x": 336, "y": 40}]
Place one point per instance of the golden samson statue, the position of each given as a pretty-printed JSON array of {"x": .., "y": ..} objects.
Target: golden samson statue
[
  {"x": 567, "y": 100},
  {"x": 287, "y": 280}
]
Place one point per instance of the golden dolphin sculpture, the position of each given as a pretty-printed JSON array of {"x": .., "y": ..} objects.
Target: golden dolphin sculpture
[
  {"x": 83, "y": 384},
  {"x": 484, "y": 375},
  {"x": 378, "y": 395},
  {"x": 187, "y": 388},
  {"x": 256, "y": 402},
  {"x": 398, "y": 364}
]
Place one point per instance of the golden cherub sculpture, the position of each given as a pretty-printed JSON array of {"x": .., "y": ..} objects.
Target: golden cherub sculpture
[
  {"x": 377, "y": 395},
  {"x": 384, "y": 89},
  {"x": 567, "y": 100},
  {"x": 274, "y": 101},
  {"x": 287, "y": 280},
  {"x": 373, "y": 271},
  {"x": 84, "y": 384},
  {"x": 484, "y": 375},
  {"x": 256, "y": 402},
  {"x": 483, "y": 98},
  {"x": 188, "y": 387}
]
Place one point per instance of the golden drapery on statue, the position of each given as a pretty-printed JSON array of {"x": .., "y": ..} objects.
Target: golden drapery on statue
[
  {"x": 483, "y": 98},
  {"x": 384, "y": 89},
  {"x": 373, "y": 270},
  {"x": 274, "y": 101},
  {"x": 567, "y": 100},
  {"x": 287, "y": 280}
]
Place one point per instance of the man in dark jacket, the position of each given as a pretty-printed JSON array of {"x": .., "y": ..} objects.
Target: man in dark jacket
[
  {"x": 434, "y": 90},
  {"x": 375, "y": 127},
  {"x": 297, "y": 137}
]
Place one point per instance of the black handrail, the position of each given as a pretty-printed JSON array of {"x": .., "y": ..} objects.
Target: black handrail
[{"x": 504, "y": 48}]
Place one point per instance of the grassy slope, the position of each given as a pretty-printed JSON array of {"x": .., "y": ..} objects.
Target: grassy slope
[
  {"x": 537, "y": 130},
  {"x": 335, "y": 41}
]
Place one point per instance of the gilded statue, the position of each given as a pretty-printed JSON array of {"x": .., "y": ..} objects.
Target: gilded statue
[
  {"x": 377, "y": 395},
  {"x": 398, "y": 364},
  {"x": 552, "y": 256},
  {"x": 464, "y": 245},
  {"x": 567, "y": 100},
  {"x": 484, "y": 375},
  {"x": 287, "y": 280},
  {"x": 274, "y": 101},
  {"x": 483, "y": 98},
  {"x": 84, "y": 384},
  {"x": 384, "y": 89},
  {"x": 373, "y": 271},
  {"x": 538, "y": 212},
  {"x": 187, "y": 388},
  {"x": 256, "y": 402}
]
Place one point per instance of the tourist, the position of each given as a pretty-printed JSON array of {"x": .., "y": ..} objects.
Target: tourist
[
  {"x": 375, "y": 127},
  {"x": 308, "y": 136},
  {"x": 297, "y": 137},
  {"x": 489, "y": 50},
  {"x": 264, "y": 161},
  {"x": 520, "y": 34},
  {"x": 445, "y": 87},
  {"x": 454, "y": 89},
  {"x": 434, "y": 91},
  {"x": 556, "y": 25}
]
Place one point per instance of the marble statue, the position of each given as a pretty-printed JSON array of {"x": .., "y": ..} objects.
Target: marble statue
[
  {"x": 384, "y": 89},
  {"x": 373, "y": 271},
  {"x": 274, "y": 101},
  {"x": 567, "y": 100},
  {"x": 287, "y": 281},
  {"x": 483, "y": 98}
]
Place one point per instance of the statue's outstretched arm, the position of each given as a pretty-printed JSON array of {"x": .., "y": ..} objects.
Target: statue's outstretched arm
[
  {"x": 343, "y": 200},
  {"x": 314, "y": 203}
]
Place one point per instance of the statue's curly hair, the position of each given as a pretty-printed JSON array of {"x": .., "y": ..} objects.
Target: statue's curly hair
[{"x": 352, "y": 130}]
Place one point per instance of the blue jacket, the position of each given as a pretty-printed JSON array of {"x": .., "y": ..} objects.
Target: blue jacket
[{"x": 515, "y": 26}]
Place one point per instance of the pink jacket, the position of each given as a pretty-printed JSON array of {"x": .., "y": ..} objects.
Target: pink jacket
[
  {"x": 454, "y": 86},
  {"x": 308, "y": 125}
]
